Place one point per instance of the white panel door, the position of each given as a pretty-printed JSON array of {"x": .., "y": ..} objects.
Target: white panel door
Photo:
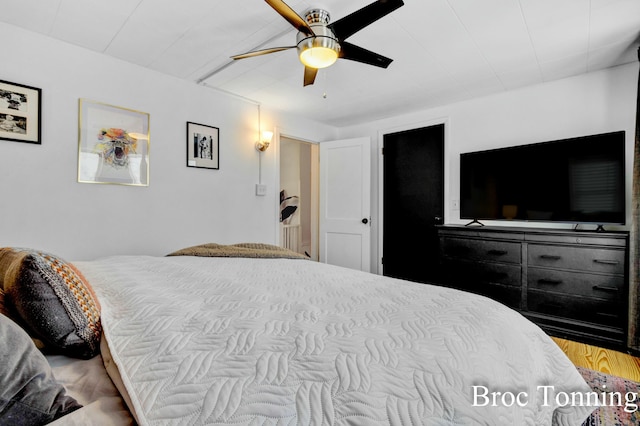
[{"x": 345, "y": 191}]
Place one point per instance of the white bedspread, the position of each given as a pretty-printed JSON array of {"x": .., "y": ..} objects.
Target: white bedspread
[{"x": 232, "y": 341}]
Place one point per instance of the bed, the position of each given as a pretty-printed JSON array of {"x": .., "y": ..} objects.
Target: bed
[{"x": 252, "y": 334}]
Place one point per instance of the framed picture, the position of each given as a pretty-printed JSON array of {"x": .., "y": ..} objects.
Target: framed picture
[
  {"x": 203, "y": 146},
  {"x": 20, "y": 110},
  {"x": 113, "y": 144}
]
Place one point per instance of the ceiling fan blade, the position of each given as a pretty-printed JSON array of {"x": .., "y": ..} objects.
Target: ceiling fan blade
[
  {"x": 358, "y": 54},
  {"x": 351, "y": 24},
  {"x": 291, "y": 16},
  {"x": 309, "y": 75},
  {"x": 261, "y": 52}
]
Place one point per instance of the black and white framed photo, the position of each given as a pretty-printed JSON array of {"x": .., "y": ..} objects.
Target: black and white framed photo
[
  {"x": 20, "y": 110},
  {"x": 203, "y": 146}
]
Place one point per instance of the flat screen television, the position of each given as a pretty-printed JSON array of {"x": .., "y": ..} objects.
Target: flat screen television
[{"x": 578, "y": 180}]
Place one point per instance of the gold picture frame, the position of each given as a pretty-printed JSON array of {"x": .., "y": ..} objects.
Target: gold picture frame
[
  {"x": 113, "y": 144},
  {"x": 20, "y": 113}
]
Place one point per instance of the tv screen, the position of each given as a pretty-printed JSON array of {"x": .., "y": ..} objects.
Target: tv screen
[{"x": 578, "y": 180}]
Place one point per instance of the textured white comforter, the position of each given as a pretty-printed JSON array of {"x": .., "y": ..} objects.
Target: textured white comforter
[{"x": 233, "y": 341}]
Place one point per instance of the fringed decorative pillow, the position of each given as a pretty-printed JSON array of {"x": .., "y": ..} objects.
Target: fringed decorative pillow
[{"x": 53, "y": 300}]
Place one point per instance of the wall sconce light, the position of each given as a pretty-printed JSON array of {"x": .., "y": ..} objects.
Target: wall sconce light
[{"x": 264, "y": 141}]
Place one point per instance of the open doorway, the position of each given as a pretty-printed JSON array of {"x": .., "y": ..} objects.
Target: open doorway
[{"x": 299, "y": 196}]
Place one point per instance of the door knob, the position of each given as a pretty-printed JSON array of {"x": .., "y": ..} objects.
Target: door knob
[{"x": 365, "y": 220}]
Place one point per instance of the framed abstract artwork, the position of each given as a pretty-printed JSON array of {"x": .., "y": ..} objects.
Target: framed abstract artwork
[
  {"x": 113, "y": 144},
  {"x": 20, "y": 112},
  {"x": 203, "y": 146}
]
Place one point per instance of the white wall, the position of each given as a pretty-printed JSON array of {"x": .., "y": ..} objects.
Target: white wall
[
  {"x": 42, "y": 205},
  {"x": 593, "y": 103}
]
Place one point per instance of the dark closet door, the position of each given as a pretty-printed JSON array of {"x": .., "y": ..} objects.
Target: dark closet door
[{"x": 413, "y": 167}]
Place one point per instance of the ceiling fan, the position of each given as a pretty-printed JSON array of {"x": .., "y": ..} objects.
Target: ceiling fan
[{"x": 321, "y": 42}]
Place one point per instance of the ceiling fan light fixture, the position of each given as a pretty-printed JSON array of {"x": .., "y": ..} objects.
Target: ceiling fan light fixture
[
  {"x": 318, "y": 57},
  {"x": 321, "y": 42},
  {"x": 321, "y": 49}
]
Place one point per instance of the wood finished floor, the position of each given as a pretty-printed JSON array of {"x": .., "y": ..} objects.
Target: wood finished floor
[{"x": 599, "y": 359}]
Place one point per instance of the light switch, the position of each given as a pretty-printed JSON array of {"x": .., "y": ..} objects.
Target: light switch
[{"x": 261, "y": 189}]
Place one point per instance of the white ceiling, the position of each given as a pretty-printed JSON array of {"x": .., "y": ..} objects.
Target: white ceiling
[{"x": 443, "y": 50}]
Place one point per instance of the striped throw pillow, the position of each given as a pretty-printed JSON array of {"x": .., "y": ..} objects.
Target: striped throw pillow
[{"x": 53, "y": 300}]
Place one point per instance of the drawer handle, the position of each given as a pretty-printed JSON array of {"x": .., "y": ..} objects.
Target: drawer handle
[
  {"x": 550, "y": 257},
  {"x": 606, "y": 262},
  {"x": 497, "y": 252},
  {"x": 606, "y": 288},
  {"x": 549, "y": 281}
]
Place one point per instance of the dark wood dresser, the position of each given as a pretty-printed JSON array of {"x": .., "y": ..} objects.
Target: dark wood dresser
[{"x": 573, "y": 284}]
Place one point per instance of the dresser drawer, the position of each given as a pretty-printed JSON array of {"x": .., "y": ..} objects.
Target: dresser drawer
[
  {"x": 595, "y": 311},
  {"x": 470, "y": 274},
  {"x": 609, "y": 261},
  {"x": 471, "y": 249},
  {"x": 610, "y": 287}
]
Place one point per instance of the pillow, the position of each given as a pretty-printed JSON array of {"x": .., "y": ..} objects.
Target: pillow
[
  {"x": 3, "y": 309},
  {"x": 7, "y": 311},
  {"x": 53, "y": 300},
  {"x": 29, "y": 394},
  {"x": 7, "y": 256}
]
